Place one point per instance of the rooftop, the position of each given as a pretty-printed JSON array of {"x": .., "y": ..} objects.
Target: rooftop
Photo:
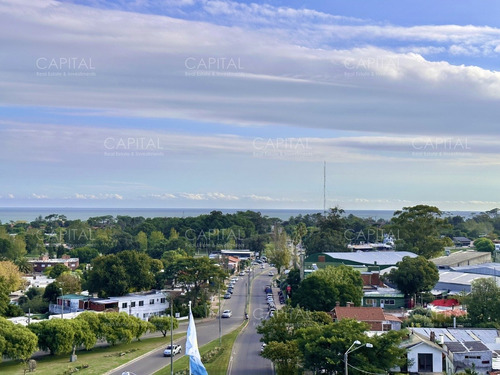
[
  {"x": 458, "y": 257},
  {"x": 466, "y": 346},
  {"x": 373, "y": 257},
  {"x": 364, "y": 314},
  {"x": 492, "y": 269},
  {"x": 461, "y": 278}
]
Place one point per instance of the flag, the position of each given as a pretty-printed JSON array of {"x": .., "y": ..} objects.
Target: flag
[{"x": 195, "y": 365}]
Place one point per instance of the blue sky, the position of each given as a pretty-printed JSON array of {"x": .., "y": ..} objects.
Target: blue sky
[{"x": 225, "y": 104}]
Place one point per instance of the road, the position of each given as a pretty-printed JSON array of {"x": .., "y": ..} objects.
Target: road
[
  {"x": 246, "y": 357},
  {"x": 207, "y": 331}
]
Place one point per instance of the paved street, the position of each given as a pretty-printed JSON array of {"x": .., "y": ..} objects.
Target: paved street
[
  {"x": 207, "y": 331},
  {"x": 246, "y": 357}
]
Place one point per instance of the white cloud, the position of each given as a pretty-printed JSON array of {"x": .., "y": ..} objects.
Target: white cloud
[
  {"x": 39, "y": 196},
  {"x": 97, "y": 196},
  {"x": 259, "y": 197},
  {"x": 282, "y": 82},
  {"x": 163, "y": 196},
  {"x": 11, "y": 196}
]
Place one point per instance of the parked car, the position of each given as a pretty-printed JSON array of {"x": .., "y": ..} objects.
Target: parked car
[
  {"x": 229, "y": 290},
  {"x": 236, "y": 278},
  {"x": 227, "y": 314},
  {"x": 242, "y": 273},
  {"x": 169, "y": 351},
  {"x": 227, "y": 296},
  {"x": 271, "y": 273},
  {"x": 262, "y": 347}
]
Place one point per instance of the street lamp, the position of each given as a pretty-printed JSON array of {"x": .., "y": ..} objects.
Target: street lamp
[
  {"x": 62, "y": 303},
  {"x": 351, "y": 349}
]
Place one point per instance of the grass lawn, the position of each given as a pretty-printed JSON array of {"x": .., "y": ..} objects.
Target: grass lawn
[
  {"x": 99, "y": 359},
  {"x": 219, "y": 361}
]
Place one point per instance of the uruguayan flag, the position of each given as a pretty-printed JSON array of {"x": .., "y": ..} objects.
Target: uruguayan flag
[{"x": 195, "y": 365}]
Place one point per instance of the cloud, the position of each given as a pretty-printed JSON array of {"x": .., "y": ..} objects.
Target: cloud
[
  {"x": 163, "y": 196},
  {"x": 39, "y": 196},
  {"x": 282, "y": 81},
  {"x": 11, "y": 196},
  {"x": 259, "y": 197},
  {"x": 97, "y": 196}
]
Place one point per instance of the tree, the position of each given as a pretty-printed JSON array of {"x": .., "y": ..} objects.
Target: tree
[
  {"x": 23, "y": 265},
  {"x": 10, "y": 274},
  {"x": 285, "y": 355},
  {"x": 70, "y": 283},
  {"x": 85, "y": 254},
  {"x": 16, "y": 341},
  {"x": 316, "y": 293},
  {"x": 51, "y": 292},
  {"x": 142, "y": 240},
  {"x": 324, "y": 346},
  {"x": 163, "y": 323},
  {"x": 484, "y": 244},
  {"x": 325, "y": 287},
  {"x": 4, "y": 297},
  {"x": 285, "y": 323},
  {"x": 117, "y": 327},
  {"x": 414, "y": 275},
  {"x": 483, "y": 303},
  {"x": 279, "y": 254},
  {"x": 418, "y": 230},
  {"x": 331, "y": 234},
  {"x": 54, "y": 335},
  {"x": 56, "y": 270},
  {"x": 108, "y": 277},
  {"x": 346, "y": 280}
]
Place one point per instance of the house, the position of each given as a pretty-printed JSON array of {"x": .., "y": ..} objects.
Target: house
[
  {"x": 467, "y": 354},
  {"x": 461, "y": 241},
  {"x": 385, "y": 298},
  {"x": 370, "y": 260},
  {"x": 424, "y": 356},
  {"x": 466, "y": 346},
  {"x": 41, "y": 264},
  {"x": 462, "y": 258},
  {"x": 374, "y": 316},
  {"x": 141, "y": 305}
]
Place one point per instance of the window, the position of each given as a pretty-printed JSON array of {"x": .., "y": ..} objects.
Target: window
[
  {"x": 370, "y": 302},
  {"x": 386, "y": 327},
  {"x": 144, "y": 315},
  {"x": 124, "y": 305},
  {"x": 43, "y": 265},
  {"x": 152, "y": 301},
  {"x": 388, "y": 301},
  {"x": 424, "y": 362},
  {"x": 141, "y": 303},
  {"x": 132, "y": 304},
  {"x": 162, "y": 300}
]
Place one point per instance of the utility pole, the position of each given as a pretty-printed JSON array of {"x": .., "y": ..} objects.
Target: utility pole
[{"x": 324, "y": 188}]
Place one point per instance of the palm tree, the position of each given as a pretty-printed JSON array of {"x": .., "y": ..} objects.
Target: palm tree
[{"x": 23, "y": 265}]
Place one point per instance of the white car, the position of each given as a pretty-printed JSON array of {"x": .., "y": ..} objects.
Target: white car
[
  {"x": 271, "y": 273},
  {"x": 227, "y": 314},
  {"x": 171, "y": 352},
  {"x": 242, "y": 273}
]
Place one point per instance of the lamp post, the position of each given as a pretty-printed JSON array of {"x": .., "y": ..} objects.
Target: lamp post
[
  {"x": 62, "y": 303},
  {"x": 351, "y": 349}
]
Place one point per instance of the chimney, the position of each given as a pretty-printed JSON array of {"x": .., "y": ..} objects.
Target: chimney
[
  {"x": 337, "y": 304},
  {"x": 432, "y": 336},
  {"x": 441, "y": 339},
  {"x": 349, "y": 304}
]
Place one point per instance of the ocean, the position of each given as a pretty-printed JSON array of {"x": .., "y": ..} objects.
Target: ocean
[{"x": 29, "y": 214}]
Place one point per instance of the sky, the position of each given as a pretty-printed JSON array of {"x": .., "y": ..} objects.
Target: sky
[{"x": 226, "y": 104}]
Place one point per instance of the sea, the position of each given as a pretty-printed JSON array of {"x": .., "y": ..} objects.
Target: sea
[{"x": 8, "y": 214}]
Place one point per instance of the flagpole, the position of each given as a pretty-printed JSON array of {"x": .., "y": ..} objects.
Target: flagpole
[{"x": 190, "y": 317}]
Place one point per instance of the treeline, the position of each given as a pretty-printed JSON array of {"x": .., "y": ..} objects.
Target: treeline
[
  {"x": 61, "y": 336},
  {"x": 111, "y": 235},
  {"x": 424, "y": 230}
]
